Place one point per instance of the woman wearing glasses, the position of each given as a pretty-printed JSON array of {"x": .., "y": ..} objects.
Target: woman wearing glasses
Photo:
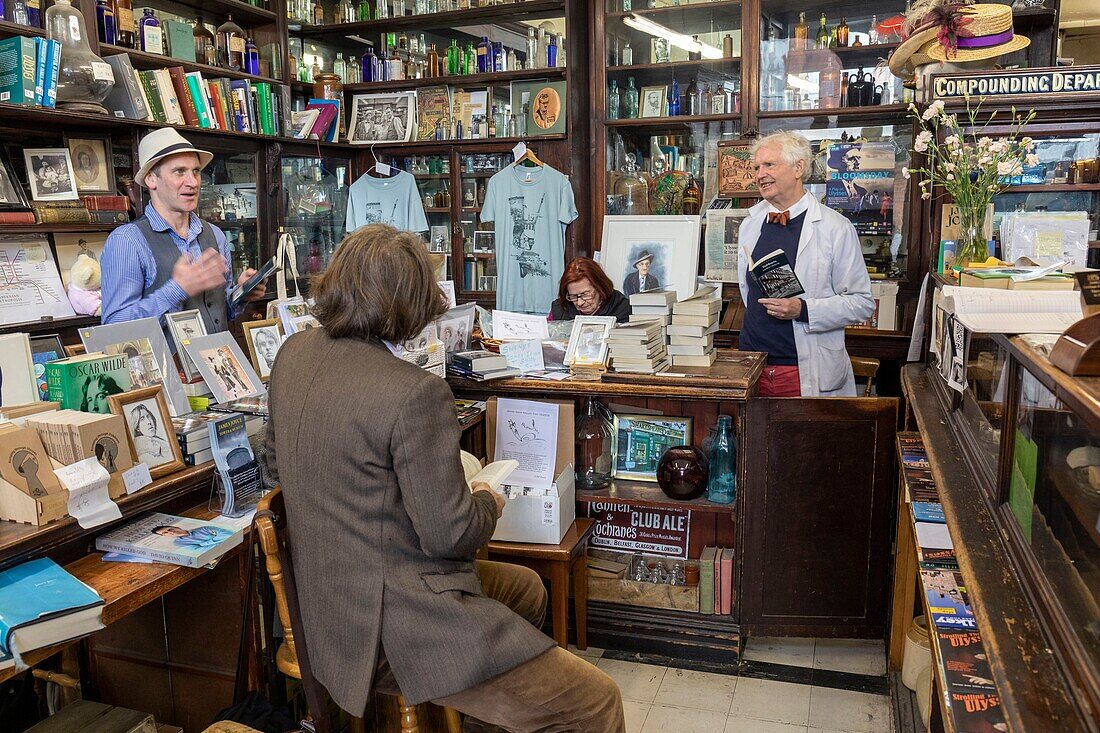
[{"x": 586, "y": 291}]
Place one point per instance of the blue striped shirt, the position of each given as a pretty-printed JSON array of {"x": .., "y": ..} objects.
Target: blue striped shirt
[{"x": 128, "y": 269}]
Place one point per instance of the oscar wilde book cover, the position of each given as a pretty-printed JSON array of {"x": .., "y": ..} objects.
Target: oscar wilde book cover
[{"x": 84, "y": 382}]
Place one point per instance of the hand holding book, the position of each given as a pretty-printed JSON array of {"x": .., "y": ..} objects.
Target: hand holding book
[{"x": 785, "y": 309}]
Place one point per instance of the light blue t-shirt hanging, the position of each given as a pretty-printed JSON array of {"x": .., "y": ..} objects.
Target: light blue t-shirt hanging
[
  {"x": 530, "y": 208},
  {"x": 394, "y": 201}
]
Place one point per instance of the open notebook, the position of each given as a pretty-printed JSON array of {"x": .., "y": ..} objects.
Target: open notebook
[{"x": 984, "y": 310}]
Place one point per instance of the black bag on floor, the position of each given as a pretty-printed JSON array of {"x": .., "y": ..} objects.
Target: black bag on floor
[{"x": 256, "y": 711}]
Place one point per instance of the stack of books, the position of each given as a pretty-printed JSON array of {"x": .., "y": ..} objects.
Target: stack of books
[
  {"x": 716, "y": 591},
  {"x": 70, "y": 436},
  {"x": 652, "y": 305},
  {"x": 104, "y": 209},
  {"x": 638, "y": 347},
  {"x": 691, "y": 334},
  {"x": 193, "y": 433},
  {"x": 480, "y": 365},
  {"x": 32, "y": 79}
]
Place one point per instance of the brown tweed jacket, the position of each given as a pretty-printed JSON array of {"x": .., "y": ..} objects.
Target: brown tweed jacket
[{"x": 383, "y": 529}]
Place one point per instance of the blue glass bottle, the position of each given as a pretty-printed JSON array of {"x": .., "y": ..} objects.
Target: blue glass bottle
[
  {"x": 251, "y": 58},
  {"x": 484, "y": 55},
  {"x": 498, "y": 56},
  {"x": 105, "y": 21},
  {"x": 722, "y": 485},
  {"x": 34, "y": 13},
  {"x": 551, "y": 52},
  {"x": 674, "y": 99}
]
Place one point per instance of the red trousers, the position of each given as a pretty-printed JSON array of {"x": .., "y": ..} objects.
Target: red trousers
[{"x": 780, "y": 381}]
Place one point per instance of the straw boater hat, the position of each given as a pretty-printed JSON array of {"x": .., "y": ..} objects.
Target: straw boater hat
[
  {"x": 985, "y": 33},
  {"x": 158, "y": 145},
  {"x": 921, "y": 31}
]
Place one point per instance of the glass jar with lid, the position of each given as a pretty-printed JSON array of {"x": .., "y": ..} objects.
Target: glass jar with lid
[{"x": 632, "y": 188}]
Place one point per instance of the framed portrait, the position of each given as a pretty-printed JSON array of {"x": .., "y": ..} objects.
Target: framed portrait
[
  {"x": 184, "y": 326},
  {"x": 12, "y": 195},
  {"x": 485, "y": 242},
  {"x": 290, "y": 311},
  {"x": 647, "y": 253},
  {"x": 92, "y": 163},
  {"x": 588, "y": 341},
  {"x": 736, "y": 176},
  {"x": 439, "y": 239},
  {"x": 224, "y": 368},
  {"x": 45, "y": 349},
  {"x": 377, "y": 118},
  {"x": 263, "y": 339},
  {"x": 455, "y": 327},
  {"x": 148, "y": 354},
  {"x": 641, "y": 440},
  {"x": 149, "y": 429},
  {"x": 654, "y": 102},
  {"x": 50, "y": 174},
  {"x": 547, "y": 106}
]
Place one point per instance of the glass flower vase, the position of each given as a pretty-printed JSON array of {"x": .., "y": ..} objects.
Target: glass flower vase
[{"x": 972, "y": 246}]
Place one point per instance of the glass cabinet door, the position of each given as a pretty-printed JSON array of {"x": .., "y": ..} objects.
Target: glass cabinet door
[
  {"x": 479, "y": 251},
  {"x": 433, "y": 181},
  {"x": 315, "y": 203},
  {"x": 227, "y": 200}
]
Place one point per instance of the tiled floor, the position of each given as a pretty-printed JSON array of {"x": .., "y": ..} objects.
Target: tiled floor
[{"x": 822, "y": 695}]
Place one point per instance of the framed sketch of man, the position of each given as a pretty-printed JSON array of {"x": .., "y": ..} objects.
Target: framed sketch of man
[
  {"x": 649, "y": 253},
  {"x": 149, "y": 428},
  {"x": 12, "y": 195},
  {"x": 184, "y": 326},
  {"x": 263, "y": 339},
  {"x": 50, "y": 174},
  {"x": 91, "y": 157},
  {"x": 379, "y": 118}
]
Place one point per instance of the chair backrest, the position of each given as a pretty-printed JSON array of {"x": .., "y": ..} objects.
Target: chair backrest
[{"x": 865, "y": 368}]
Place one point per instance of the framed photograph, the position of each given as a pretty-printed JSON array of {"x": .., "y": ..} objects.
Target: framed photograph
[
  {"x": 12, "y": 195},
  {"x": 455, "y": 327},
  {"x": 184, "y": 326},
  {"x": 485, "y": 242},
  {"x": 224, "y": 367},
  {"x": 150, "y": 358},
  {"x": 736, "y": 176},
  {"x": 263, "y": 339},
  {"x": 588, "y": 341},
  {"x": 646, "y": 253},
  {"x": 641, "y": 440},
  {"x": 377, "y": 118},
  {"x": 149, "y": 429},
  {"x": 50, "y": 174},
  {"x": 290, "y": 312},
  {"x": 91, "y": 157},
  {"x": 654, "y": 102},
  {"x": 439, "y": 239},
  {"x": 45, "y": 349}
]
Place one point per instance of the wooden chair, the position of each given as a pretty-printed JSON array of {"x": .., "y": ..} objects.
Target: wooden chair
[
  {"x": 292, "y": 658},
  {"x": 865, "y": 368}
]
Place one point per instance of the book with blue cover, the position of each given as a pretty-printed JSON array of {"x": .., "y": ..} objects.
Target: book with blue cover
[
  {"x": 927, "y": 511},
  {"x": 177, "y": 540},
  {"x": 947, "y": 599},
  {"x": 42, "y": 604}
]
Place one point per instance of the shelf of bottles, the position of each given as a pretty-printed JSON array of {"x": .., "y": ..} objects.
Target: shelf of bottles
[
  {"x": 479, "y": 252},
  {"x": 433, "y": 182},
  {"x": 315, "y": 204},
  {"x": 821, "y": 62},
  {"x": 227, "y": 200}
]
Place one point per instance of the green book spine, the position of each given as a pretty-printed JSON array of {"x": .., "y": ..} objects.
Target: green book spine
[
  {"x": 706, "y": 581},
  {"x": 148, "y": 83},
  {"x": 85, "y": 384},
  {"x": 263, "y": 106},
  {"x": 17, "y": 70},
  {"x": 198, "y": 95}
]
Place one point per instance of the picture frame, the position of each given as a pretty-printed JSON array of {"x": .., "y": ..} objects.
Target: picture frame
[
  {"x": 588, "y": 341},
  {"x": 653, "y": 102},
  {"x": 547, "y": 106},
  {"x": 439, "y": 239},
  {"x": 485, "y": 242},
  {"x": 44, "y": 349},
  {"x": 50, "y": 174},
  {"x": 382, "y": 117},
  {"x": 92, "y": 163},
  {"x": 149, "y": 429},
  {"x": 670, "y": 243},
  {"x": 736, "y": 176},
  {"x": 156, "y": 355},
  {"x": 224, "y": 367},
  {"x": 184, "y": 326},
  {"x": 12, "y": 195},
  {"x": 641, "y": 440},
  {"x": 263, "y": 339},
  {"x": 455, "y": 328}
]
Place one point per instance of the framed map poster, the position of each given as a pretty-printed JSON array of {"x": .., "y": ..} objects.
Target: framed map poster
[{"x": 736, "y": 176}]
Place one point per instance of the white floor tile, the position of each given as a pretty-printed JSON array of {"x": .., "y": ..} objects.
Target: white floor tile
[
  {"x": 742, "y": 724},
  {"x": 686, "y": 688},
  {"x": 591, "y": 652},
  {"x": 666, "y": 719},
  {"x": 635, "y": 713},
  {"x": 782, "y": 702},
  {"x": 860, "y": 656},
  {"x": 636, "y": 681},
  {"x": 778, "y": 650},
  {"x": 857, "y": 712}
]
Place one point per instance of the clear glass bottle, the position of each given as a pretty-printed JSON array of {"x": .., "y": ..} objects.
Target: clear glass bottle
[
  {"x": 627, "y": 57},
  {"x": 124, "y": 23},
  {"x": 632, "y": 188},
  {"x": 205, "y": 45},
  {"x": 347, "y": 10},
  {"x": 19, "y": 13},
  {"x": 381, "y": 10},
  {"x": 420, "y": 7},
  {"x": 613, "y": 100},
  {"x": 593, "y": 446},
  {"x": 79, "y": 85},
  {"x": 355, "y": 71},
  {"x": 511, "y": 61},
  {"x": 696, "y": 54},
  {"x": 872, "y": 34},
  {"x": 230, "y": 45},
  {"x": 722, "y": 485},
  {"x": 340, "y": 68},
  {"x": 532, "y": 49},
  {"x": 630, "y": 100}
]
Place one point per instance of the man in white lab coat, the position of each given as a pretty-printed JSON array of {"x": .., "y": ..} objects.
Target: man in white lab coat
[{"x": 804, "y": 335}]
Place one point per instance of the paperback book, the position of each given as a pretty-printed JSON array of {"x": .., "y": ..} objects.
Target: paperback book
[
  {"x": 775, "y": 276},
  {"x": 927, "y": 511},
  {"x": 171, "y": 539},
  {"x": 237, "y": 467},
  {"x": 976, "y": 711},
  {"x": 947, "y": 599}
]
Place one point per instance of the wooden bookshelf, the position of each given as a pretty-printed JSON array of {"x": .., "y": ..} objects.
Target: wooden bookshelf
[
  {"x": 666, "y": 122},
  {"x": 891, "y": 111},
  {"x": 507, "y": 13},
  {"x": 466, "y": 80},
  {"x": 9, "y": 29},
  {"x": 142, "y": 61}
]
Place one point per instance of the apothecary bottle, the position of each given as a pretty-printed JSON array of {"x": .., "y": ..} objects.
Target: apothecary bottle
[
  {"x": 152, "y": 37},
  {"x": 722, "y": 485},
  {"x": 842, "y": 34},
  {"x": 593, "y": 447},
  {"x": 632, "y": 189},
  {"x": 627, "y": 57},
  {"x": 205, "y": 45},
  {"x": 630, "y": 100},
  {"x": 613, "y": 101},
  {"x": 124, "y": 23},
  {"x": 252, "y": 58},
  {"x": 105, "y": 21},
  {"x": 230, "y": 45}
]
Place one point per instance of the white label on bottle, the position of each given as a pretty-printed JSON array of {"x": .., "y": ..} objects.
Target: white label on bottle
[
  {"x": 236, "y": 44},
  {"x": 519, "y": 150},
  {"x": 102, "y": 71},
  {"x": 154, "y": 40}
]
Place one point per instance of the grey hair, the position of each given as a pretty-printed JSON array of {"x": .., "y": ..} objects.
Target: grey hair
[{"x": 792, "y": 147}]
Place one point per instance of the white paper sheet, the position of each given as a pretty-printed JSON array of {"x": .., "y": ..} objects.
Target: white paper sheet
[
  {"x": 527, "y": 432},
  {"x": 933, "y": 536},
  {"x": 89, "y": 501},
  {"x": 519, "y": 326},
  {"x": 30, "y": 285},
  {"x": 524, "y": 355}
]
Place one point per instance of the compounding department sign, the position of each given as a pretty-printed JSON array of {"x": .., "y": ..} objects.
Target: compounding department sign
[
  {"x": 1068, "y": 81},
  {"x": 631, "y": 528}
]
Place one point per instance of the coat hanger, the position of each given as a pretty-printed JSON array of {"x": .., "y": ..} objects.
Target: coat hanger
[
  {"x": 528, "y": 158},
  {"x": 380, "y": 169}
]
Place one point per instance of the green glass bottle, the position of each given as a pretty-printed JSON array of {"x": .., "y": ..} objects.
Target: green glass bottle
[
  {"x": 630, "y": 101},
  {"x": 823, "y": 35},
  {"x": 471, "y": 59},
  {"x": 454, "y": 57},
  {"x": 362, "y": 11}
]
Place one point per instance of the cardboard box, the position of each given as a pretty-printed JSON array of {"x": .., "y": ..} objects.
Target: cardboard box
[{"x": 540, "y": 519}]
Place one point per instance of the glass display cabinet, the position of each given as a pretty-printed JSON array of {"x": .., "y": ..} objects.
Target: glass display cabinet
[
  {"x": 227, "y": 200},
  {"x": 314, "y": 208},
  {"x": 479, "y": 252}
]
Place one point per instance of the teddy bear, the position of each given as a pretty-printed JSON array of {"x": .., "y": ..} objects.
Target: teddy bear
[{"x": 84, "y": 293}]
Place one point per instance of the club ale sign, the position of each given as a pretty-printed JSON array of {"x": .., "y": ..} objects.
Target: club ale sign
[
  {"x": 631, "y": 528},
  {"x": 1071, "y": 81}
]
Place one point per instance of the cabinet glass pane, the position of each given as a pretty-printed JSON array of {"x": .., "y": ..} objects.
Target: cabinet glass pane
[
  {"x": 984, "y": 401},
  {"x": 1055, "y": 497},
  {"x": 227, "y": 200},
  {"x": 479, "y": 251},
  {"x": 315, "y": 205},
  {"x": 433, "y": 181},
  {"x": 812, "y": 57}
]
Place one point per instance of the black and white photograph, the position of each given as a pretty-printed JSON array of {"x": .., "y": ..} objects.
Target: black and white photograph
[
  {"x": 420, "y": 341},
  {"x": 224, "y": 367},
  {"x": 12, "y": 195},
  {"x": 263, "y": 339},
  {"x": 50, "y": 174},
  {"x": 654, "y": 101},
  {"x": 149, "y": 427},
  {"x": 454, "y": 333},
  {"x": 439, "y": 239},
  {"x": 588, "y": 341},
  {"x": 184, "y": 326},
  {"x": 485, "y": 242},
  {"x": 379, "y": 118},
  {"x": 91, "y": 157},
  {"x": 666, "y": 258}
]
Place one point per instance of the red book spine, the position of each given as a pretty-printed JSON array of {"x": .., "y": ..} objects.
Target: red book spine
[
  {"x": 17, "y": 217},
  {"x": 105, "y": 203}
]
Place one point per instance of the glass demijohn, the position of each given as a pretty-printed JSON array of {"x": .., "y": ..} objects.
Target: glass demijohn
[
  {"x": 593, "y": 447},
  {"x": 84, "y": 80}
]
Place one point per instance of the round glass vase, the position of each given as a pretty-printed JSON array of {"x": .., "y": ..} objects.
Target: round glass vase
[
  {"x": 84, "y": 80},
  {"x": 683, "y": 473},
  {"x": 972, "y": 246}
]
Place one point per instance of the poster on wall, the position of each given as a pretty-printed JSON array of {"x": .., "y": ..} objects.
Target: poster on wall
[
  {"x": 648, "y": 530},
  {"x": 720, "y": 244},
  {"x": 736, "y": 176},
  {"x": 860, "y": 185}
]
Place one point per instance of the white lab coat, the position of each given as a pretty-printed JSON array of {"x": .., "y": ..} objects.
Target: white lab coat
[{"x": 838, "y": 293}]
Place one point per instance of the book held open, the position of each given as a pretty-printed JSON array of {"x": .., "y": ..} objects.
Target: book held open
[{"x": 775, "y": 276}]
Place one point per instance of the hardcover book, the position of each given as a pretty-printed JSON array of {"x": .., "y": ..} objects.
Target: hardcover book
[
  {"x": 240, "y": 475},
  {"x": 84, "y": 382},
  {"x": 181, "y": 39},
  {"x": 17, "y": 60},
  {"x": 172, "y": 539},
  {"x": 42, "y": 604},
  {"x": 775, "y": 276}
]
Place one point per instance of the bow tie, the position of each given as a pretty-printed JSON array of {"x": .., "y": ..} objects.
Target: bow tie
[{"x": 781, "y": 218}]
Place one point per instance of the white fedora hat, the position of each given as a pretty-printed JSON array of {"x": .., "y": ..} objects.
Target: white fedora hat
[{"x": 161, "y": 144}]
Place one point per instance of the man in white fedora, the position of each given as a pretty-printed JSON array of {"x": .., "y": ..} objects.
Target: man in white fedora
[{"x": 169, "y": 260}]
